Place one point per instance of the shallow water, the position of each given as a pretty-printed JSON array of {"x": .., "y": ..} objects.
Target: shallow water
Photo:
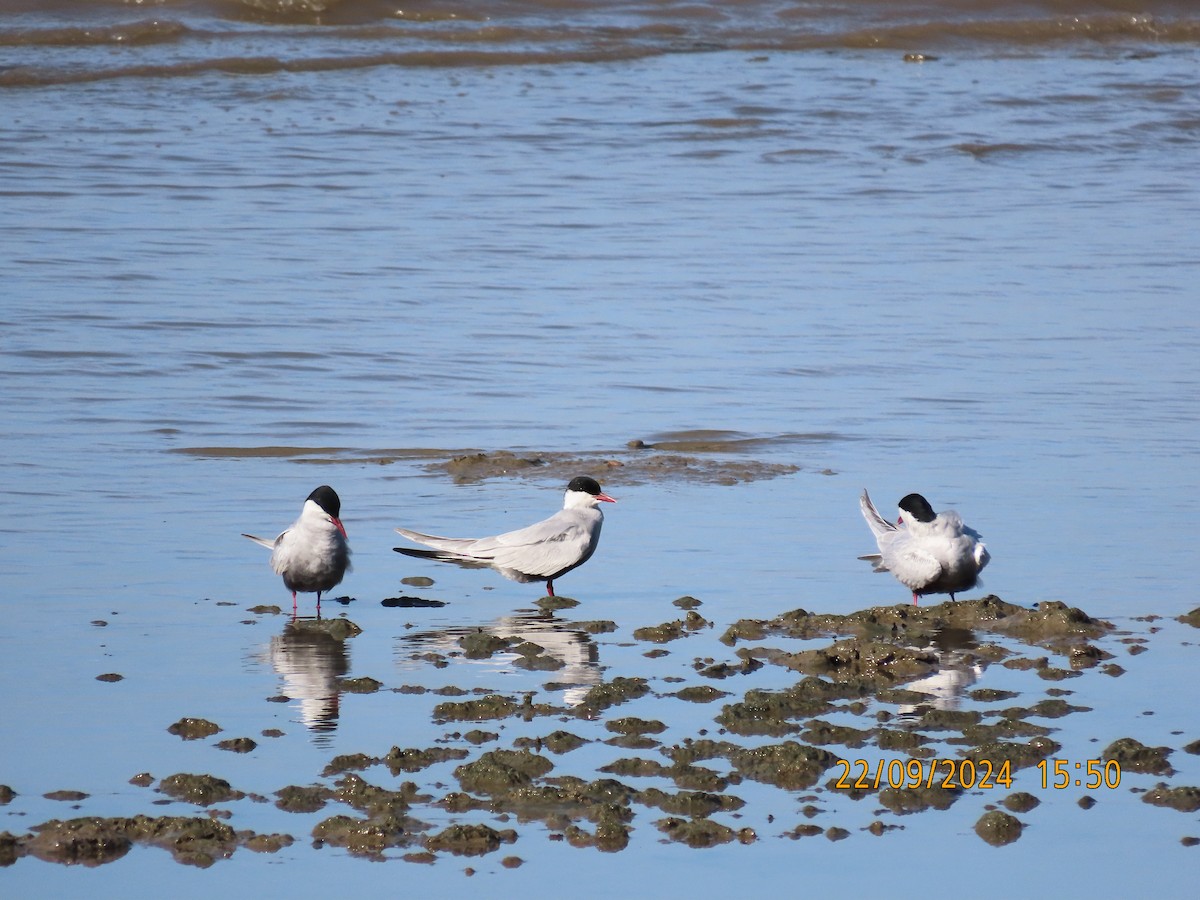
[{"x": 973, "y": 277}]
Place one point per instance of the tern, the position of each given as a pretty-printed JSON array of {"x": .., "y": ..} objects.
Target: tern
[
  {"x": 931, "y": 554},
  {"x": 541, "y": 552},
  {"x": 313, "y": 554}
]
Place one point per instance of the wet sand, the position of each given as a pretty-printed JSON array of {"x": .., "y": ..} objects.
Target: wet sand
[{"x": 713, "y": 457}]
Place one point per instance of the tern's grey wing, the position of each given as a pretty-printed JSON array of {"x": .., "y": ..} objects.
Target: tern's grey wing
[
  {"x": 911, "y": 565},
  {"x": 466, "y": 562},
  {"x": 542, "y": 550},
  {"x": 456, "y": 546},
  {"x": 878, "y": 524},
  {"x": 876, "y": 561},
  {"x": 545, "y": 549},
  {"x": 483, "y": 548}
]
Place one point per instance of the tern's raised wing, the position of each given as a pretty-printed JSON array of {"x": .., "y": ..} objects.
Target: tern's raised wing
[{"x": 878, "y": 524}]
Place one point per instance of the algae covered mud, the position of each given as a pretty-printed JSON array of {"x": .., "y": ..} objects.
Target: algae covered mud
[{"x": 890, "y": 719}]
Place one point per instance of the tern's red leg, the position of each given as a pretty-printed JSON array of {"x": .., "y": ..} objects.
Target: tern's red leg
[
  {"x": 914, "y": 598},
  {"x": 550, "y": 588}
]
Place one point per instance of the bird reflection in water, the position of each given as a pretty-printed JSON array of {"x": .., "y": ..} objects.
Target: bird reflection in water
[
  {"x": 958, "y": 669},
  {"x": 568, "y": 655},
  {"x": 311, "y": 661}
]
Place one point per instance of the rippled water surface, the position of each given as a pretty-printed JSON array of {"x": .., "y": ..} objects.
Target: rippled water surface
[{"x": 791, "y": 261}]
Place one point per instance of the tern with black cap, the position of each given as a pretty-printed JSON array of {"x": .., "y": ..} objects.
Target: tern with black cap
[
  {"x": 313, "y": 554},
  {"x": 543, "y": 551},
  {"x": 928, "y": 553}
]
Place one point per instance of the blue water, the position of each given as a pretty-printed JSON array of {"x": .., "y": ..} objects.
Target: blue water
[{"x": 973, "y": 278}]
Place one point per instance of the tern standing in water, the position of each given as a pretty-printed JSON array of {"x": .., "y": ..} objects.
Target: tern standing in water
[
  {"x": 313, "y": 554},
  {"x": 930, "y": 554},
  {"x": 541, "y": 552}
]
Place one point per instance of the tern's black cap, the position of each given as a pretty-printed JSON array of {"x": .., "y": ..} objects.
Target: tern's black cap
[
  {"x": 585, "y": 484},
  {"x": 327, "y": 498},
  {"x": 918, "y": 507}
]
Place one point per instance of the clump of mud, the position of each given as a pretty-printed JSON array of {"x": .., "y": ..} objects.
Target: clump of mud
[
  {"x": 94, "y": 841},
  {"x": 610, "y": 835},
  {"x": 855, "y": 660},
  {"x": 297, "y": 799},
  {"x": 414, "y": 760},
  {"x": 907, "y": 800},
  {"x": 515, "y": 784},
  {"x": 674, "y": 630},
  {"x": 1185, "y": 798},
  {"x": 803, "y": 831},
  {"x": 493, "y": 706},
  {"x": 340, "y": 629},
  {"x": 470, "y": 840},
  {"x": 611, "y": 693},
  {"x": 696, "y": 832},
  {"x": 238, "y": 745},
  {"x": 789, "y": 765},
  {"x": 700, "y": 693},
  {"x": 1052, "y": 624},
  {"x": 1134, "y": 756},
  {"x": 634, "y": 725},
  {"x": 482, "y": 644},
  {"x": 349, "y": 762},
  {"x": 890, "y": 652},
  {"x": 1015, "y": 754},
  {"x": 775, "y": 712},
  {"x": 1192, "y": 618},
  {"x": 693, "y": 804},
  {"x": 534, "y": 658},
  {"x": 998, "y": 828},
  {"x": 266, "y": 843},
  {"x": 682, "y": 770},
  {"x": 385, "y": 822},
  {"x": 1021, "y": 802},
  {"x": 556, "y": 742},
  {"x": 66, "y": 796},
  {"x": 499, "y": 771},
  {"x": 368, "y": 837},
  {"x": 203, "y": 790},
  {"x": 638, "y": 462},
  {"x": 191, "y": 729},
  {"x": 10, "y": 849},
  {"x": 719, "y": 457},
  {"x": 362, "y": 685}
]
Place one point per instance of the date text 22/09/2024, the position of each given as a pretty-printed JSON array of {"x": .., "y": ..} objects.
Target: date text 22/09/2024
[{"x": 967, "y": 774}]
